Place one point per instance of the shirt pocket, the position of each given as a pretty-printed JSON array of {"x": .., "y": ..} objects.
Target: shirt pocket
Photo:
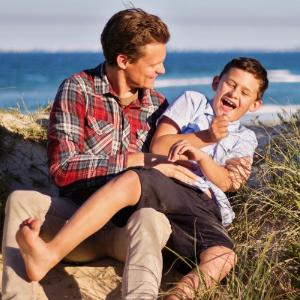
[
  {"x": 99, "y": 136},
  {"x": 224, "y": 149}
]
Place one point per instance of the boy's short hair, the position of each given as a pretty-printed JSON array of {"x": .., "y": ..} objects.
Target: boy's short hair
[
  {"x": 251, "y": 66},
  {"x": 128, "y": 31}
]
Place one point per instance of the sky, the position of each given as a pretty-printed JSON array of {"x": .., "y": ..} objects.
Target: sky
[{"x": 213, "y": 25}]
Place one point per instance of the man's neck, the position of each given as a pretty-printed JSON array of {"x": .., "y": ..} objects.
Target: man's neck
[{"x": 118, "y": 82}]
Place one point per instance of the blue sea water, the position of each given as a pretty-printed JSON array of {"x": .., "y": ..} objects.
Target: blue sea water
[{"x": 31, "y": 79}]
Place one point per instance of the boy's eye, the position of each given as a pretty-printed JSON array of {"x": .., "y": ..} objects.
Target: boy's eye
[
  {"x": 245, "y": 93},
  {"x": 230, "y": 83}
]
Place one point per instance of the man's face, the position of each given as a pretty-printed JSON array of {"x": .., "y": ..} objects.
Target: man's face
[
  {"x": 236, "y": 94},
  {"x": 143, "y": 72}
]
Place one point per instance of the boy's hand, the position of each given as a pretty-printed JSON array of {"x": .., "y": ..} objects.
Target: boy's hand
[
  {"x": 219, "y": 128},
  {"x": 239, "y": 169},
  {"x": 183, "y": 150}
]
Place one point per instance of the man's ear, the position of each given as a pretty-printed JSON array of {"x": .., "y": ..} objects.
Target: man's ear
[
  {"x": 255, "y": 105},
  {"x": 122, "y": 61},
  {"x": 215, "y": 83}
]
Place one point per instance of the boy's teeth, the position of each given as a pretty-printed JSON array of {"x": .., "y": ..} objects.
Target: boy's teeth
[{"x": 230, "y": 103}]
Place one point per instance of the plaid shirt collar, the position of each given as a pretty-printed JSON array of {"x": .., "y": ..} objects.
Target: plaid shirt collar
[{"x": 102, "y": 87}]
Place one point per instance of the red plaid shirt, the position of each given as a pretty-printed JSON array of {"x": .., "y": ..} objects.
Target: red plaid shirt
[{"x": 90, "y": 135}]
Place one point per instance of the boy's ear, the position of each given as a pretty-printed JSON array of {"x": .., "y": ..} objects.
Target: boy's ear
[
  {"x": 255, "y": 105},
  {"x": 215, "y": 83},
  {"x": 122, "y": 61}
]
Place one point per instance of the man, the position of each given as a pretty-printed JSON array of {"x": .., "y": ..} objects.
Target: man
[{"x": 100, "y": 122}]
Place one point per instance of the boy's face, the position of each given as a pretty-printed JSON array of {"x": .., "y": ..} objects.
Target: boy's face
[
  {"x": 236, "y": 94},
  {"x": 143, "y": 72}
]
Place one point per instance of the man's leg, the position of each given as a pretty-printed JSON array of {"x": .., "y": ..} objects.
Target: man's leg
[
  {"x": 148, "y": 232},
  {"x": 215, "y": 263},
  {"x": 54, "y": 212},
  {"x": 19, "y": 206}
]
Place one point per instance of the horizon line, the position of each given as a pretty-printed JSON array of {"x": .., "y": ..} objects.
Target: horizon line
[{"x": 173, "y": 50}]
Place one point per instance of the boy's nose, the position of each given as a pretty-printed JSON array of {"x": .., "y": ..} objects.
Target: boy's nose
[{"x": 235, "y": 93}]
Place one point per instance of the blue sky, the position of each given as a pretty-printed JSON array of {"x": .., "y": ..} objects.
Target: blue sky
[{"x": 194, "y": 24}]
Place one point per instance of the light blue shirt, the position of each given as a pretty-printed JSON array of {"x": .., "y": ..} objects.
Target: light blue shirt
[{"x": 193, "y": 112}]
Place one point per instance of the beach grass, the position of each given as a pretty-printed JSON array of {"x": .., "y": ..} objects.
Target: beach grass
[
  {"x": 266, "y": 230},
  {"x": 14, "y": 125}
]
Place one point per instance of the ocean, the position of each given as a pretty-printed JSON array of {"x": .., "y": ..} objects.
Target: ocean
[{"x": 30, "y": 80}]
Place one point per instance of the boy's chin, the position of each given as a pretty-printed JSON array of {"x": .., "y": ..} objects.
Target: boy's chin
[{"x": 229, "y": 114}]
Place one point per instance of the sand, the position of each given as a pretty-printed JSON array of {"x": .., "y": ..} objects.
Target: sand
[{"x": 100, "y": 280}]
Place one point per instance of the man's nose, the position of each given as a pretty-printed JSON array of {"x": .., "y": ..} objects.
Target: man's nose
[{"x": 161, "y": 69}]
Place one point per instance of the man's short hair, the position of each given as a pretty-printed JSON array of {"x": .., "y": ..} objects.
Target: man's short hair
[
  {"x": 251, "y": 66},
  {"x": 128, "y": 31}
]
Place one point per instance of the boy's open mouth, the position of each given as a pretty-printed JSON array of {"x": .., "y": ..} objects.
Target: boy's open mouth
[{"x": 228, "y": 103}]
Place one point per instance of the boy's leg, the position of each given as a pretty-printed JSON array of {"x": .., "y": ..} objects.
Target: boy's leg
[
  {"x": 215, "y": 264},
  {"x": 40, "y": 257}
]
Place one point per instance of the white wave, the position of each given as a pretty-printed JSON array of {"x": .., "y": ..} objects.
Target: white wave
[
  {"x": 274, "y": 109},
  {"x": 183, "y": 82},
  {"x": 283, "y": 75},
  {"x": 275, "y": 76},
  {"x": 269, "y": 113}
]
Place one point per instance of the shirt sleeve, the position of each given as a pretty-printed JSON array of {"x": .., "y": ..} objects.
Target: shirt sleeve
[
  {"x": 68, "y": 161},
  {"x": 245, "y": 146},
  {"x": 184, "y": 109}
]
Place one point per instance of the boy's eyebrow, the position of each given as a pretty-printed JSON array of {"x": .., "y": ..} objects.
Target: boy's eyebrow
[{"x": 246, "y": 89}]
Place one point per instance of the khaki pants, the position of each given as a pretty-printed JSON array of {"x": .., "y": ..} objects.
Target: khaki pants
[{"x": 138, "y": 244}]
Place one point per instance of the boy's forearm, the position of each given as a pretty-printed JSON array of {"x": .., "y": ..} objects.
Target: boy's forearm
[
  {"x": 162, "y": 144},
  {"x": 217, "y": 174},
  {"x": 239, "y": 169}
]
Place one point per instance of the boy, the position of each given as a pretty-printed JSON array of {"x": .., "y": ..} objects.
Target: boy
[{"x": 192, "y": 203}]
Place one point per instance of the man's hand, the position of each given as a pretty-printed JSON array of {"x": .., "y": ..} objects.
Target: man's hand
[
  {"x": 219, "y": 128},
  {"x": 177, "y": 172},
  {"x": 239, "y": 170}
]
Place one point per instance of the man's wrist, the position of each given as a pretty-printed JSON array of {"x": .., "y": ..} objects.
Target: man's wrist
[
  {"x": 147, "y": 160},
  {"x": 135, "y": 159}
]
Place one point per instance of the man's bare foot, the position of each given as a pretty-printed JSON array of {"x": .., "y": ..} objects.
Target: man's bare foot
[{"x": 38, "y": 258}]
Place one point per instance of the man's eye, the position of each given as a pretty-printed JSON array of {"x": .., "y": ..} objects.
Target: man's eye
[
  {"x": 245, "y": 93},
  {"x": 231, "y": 84}
]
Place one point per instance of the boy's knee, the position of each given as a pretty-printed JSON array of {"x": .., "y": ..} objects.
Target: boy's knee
[
  {"x": 128, "y": 178},
  {"x": 220, "y": 255},
  {"x": 151, "y": 224},
  {"x": 232, "y": 258}
]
